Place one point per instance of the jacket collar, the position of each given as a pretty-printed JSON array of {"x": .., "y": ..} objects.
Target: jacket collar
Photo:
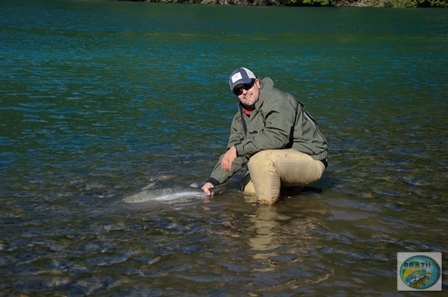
[{"x": 266, "y": 86}]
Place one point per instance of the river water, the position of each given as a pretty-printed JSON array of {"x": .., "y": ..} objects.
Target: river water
[{"x": 100, "y": 98}]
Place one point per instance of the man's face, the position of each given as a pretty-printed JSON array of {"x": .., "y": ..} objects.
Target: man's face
[{"x": 248, "y": 94}]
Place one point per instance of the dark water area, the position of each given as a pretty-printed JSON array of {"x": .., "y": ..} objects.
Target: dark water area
[{"x": 100, "y": 98}]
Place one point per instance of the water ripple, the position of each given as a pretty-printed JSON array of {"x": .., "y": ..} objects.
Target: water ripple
[{"x": 99, "y": 99}]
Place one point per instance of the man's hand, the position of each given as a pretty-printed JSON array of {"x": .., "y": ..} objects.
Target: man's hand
[
  {"x": 206, "y": 188},
  {"x": 228, "y": 158}
]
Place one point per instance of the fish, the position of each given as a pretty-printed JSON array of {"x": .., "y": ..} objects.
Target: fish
[
  {"x": 164, "y": 194},
  {"x": 171, "y": 194},
  {"x": 416, "y": 283}
]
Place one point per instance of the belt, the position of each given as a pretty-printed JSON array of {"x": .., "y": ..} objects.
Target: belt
[{"x": 325, "y": 162}]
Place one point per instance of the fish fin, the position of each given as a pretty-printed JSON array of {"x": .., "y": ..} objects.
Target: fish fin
[{"x": 152, "y": 185}]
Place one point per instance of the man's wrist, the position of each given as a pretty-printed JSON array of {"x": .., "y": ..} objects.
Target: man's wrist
[{"x": 213, "y": 181}]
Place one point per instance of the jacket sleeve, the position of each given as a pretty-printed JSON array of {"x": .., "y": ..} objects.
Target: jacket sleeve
[{"x": 218, "y": 175}]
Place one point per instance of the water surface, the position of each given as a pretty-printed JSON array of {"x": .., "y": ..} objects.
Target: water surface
[{"x": 100, "y": 98}]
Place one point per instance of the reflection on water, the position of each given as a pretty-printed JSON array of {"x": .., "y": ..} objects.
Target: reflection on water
[
  {"x": 99, "y": 99},
  {"x": 286, "y": 242}
]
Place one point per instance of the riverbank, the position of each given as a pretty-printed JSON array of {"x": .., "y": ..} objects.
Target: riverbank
[{"x": 331, "y": 3}]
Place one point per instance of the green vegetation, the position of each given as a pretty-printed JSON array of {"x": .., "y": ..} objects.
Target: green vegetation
[
  {"x": 372, "y": 3},
  {"x": 358, "y": 3}
]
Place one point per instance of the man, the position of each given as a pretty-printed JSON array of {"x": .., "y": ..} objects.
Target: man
[{"x": 274, "y": 134}]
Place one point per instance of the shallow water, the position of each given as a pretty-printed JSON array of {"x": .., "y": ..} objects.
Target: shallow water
[{"x": 100, "y": 98}]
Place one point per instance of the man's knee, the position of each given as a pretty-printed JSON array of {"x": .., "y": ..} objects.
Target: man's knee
[
  {"x": 264, "y": 176},
  {"x": 264, "y": 160},
  {"x": 269, "y": 169}
]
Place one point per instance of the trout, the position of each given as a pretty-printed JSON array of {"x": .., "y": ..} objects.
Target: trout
[{"x": 171, "y": 194}]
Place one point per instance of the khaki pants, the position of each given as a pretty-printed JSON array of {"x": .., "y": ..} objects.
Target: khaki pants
[{"x": 271, "y": 169}]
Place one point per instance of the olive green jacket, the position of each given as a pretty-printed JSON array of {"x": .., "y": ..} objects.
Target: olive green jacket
[{"x": 278, "y": 121}]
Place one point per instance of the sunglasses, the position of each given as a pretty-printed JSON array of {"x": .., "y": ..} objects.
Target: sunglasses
[{"x": 247, "y": 87}]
